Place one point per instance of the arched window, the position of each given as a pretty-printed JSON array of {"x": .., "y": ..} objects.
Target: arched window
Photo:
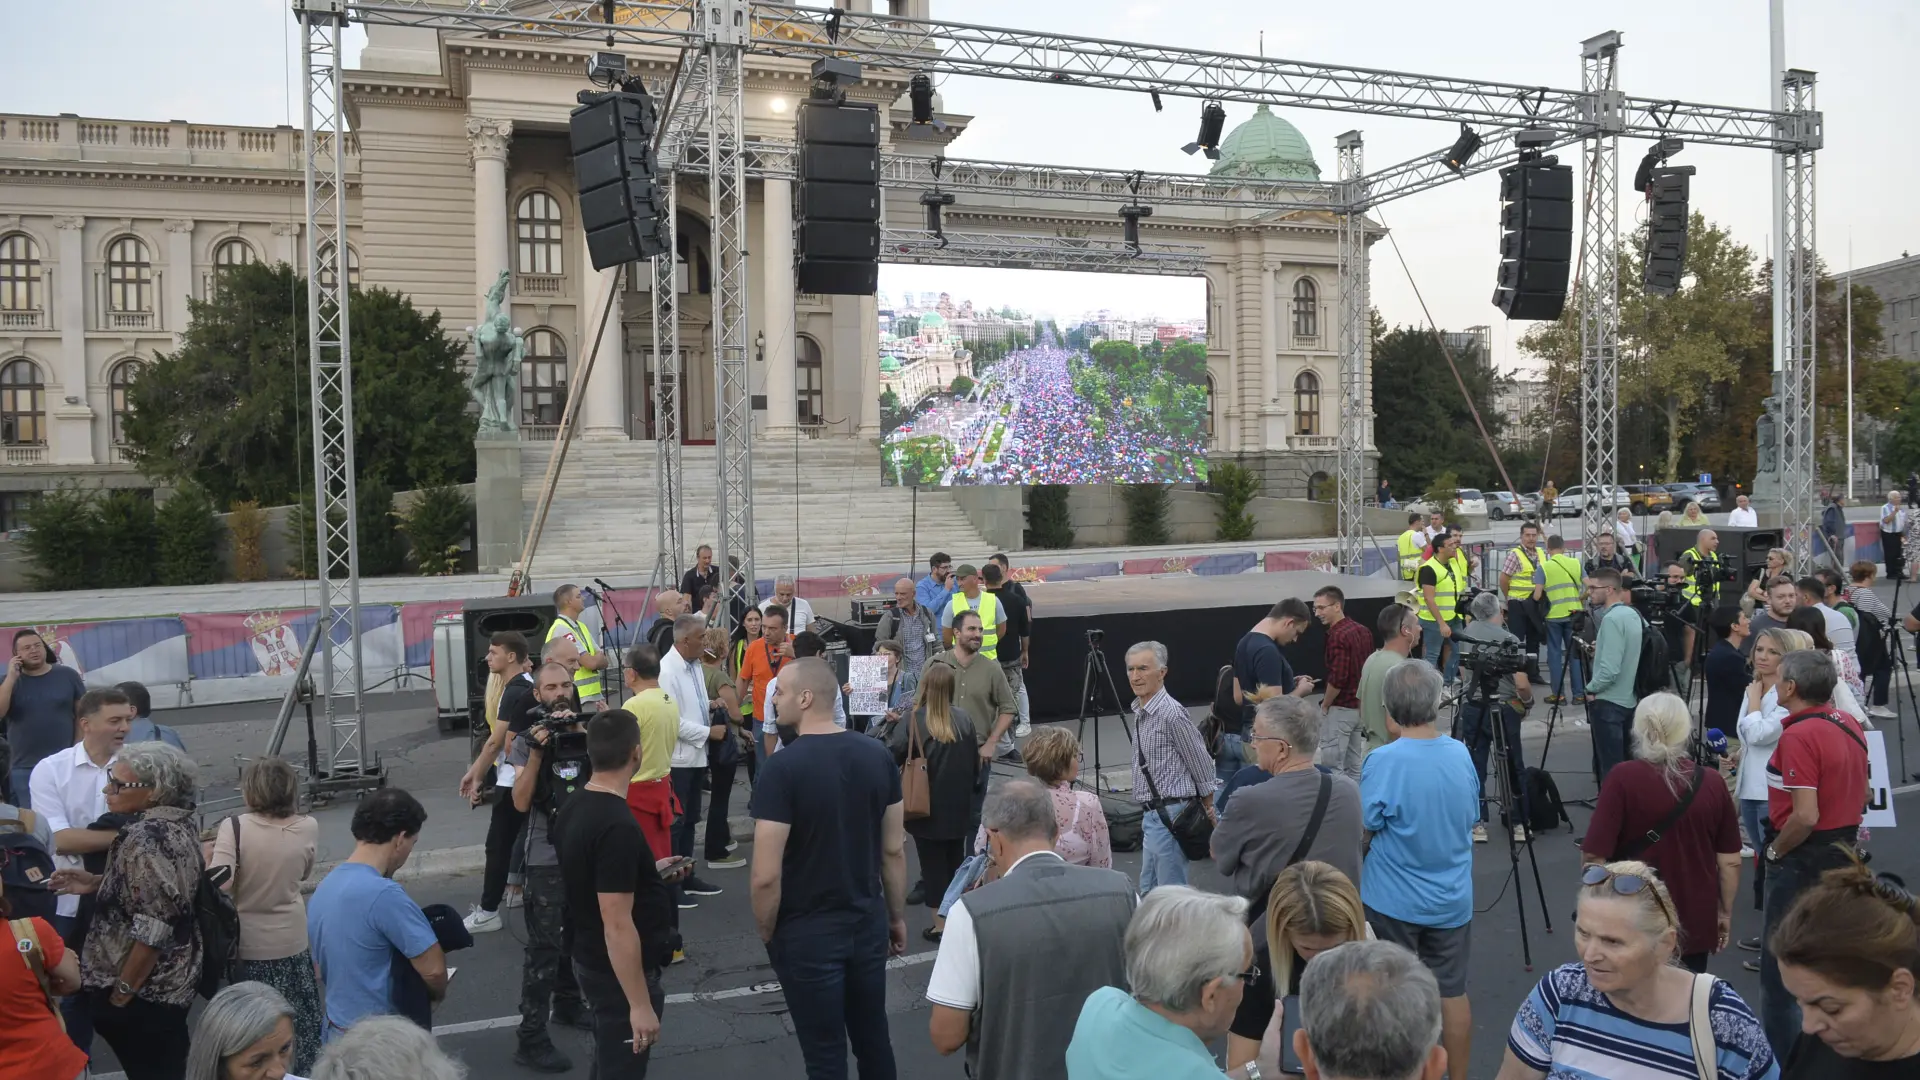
[
  {"x": 234, "y": 252},
  {"x": 543, "y": 379},
  {"x": 1306, "y": 308},
  {"x": 1306, "y": 404},
  {"x": 536, "y": 226},
  {"x": 1320, "y": 487},
  {"x": 325, "y": 258},
  {"x": 129, "y": 275},
  {"x": 808, "y": 381},
  {"x": 19, "y": 273},
  {"x": 23, "y": 404},
  {"x": 119, "y": 381}
]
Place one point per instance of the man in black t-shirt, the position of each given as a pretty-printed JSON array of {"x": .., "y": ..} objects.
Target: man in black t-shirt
[
  {"x": 1260, "y": 671},
  {"x": 1013, "y": 644},
  {"x": 619, "y": 907},
  {"x": 829, "y": 876}
]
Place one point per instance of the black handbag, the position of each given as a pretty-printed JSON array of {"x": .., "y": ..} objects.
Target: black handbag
[
  {"x": 725, "y": 751},
  {"x": 1193, "y": 829}
]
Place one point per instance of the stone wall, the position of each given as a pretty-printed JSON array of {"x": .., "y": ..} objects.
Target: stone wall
[{"x": 1099, "y": 517}]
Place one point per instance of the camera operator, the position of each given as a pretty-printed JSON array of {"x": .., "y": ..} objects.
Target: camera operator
[
  {"x": 1682, "y": 612},
  {"x": 1616, "y": 663},
  {"x": 551, "y": 768},
  {"x": 1488, "y": 646},
  {"x": 1523, "y": 583}
]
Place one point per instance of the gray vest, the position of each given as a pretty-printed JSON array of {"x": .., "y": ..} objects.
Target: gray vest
[{"x": 1049, "y": 934}]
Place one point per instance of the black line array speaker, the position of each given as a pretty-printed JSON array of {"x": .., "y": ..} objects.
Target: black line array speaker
[
  {"x": 836, "y": 205},
  {"x": 484, "y": 618},
  {"x": 617, "y": 176},
  {"x": 1536, "y": 239},
  {"x": 1667, "y": 198}
]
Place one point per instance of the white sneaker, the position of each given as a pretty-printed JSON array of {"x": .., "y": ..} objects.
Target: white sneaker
[
  {"x": 481, "y": 921},
  {"x": 1519, "y": 834},
  {"x": 729, "y": 863},
  {"x": 1746, "y": 852},
  {"x": 1882, "y": 712},
  {"x": 1024, "y": 728},
  {"x": 1479, "y": 834}
]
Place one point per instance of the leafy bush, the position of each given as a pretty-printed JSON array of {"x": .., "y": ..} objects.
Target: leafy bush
[
  {"x": 300, "y": 528},
  {"x": 61, "y": 539},
  {"x": 435, "y": 524},
  {"x": 1147, "y": 506},
  {"x": 188, "y": 535},
  {"x": 1048, "y": 524},
  {"x": 1236, "y": 486},
  {"x": 961, "y": 385},
  {"x": 382, "y": 550},
  {"x": 248, "y": 525},
  {"x": 1444, "y": 496}
]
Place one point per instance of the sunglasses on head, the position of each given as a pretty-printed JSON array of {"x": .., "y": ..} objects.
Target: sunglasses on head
[{"x": 1626, "y": 885}]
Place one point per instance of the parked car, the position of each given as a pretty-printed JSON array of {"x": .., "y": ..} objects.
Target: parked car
[
  {"x": 1502, "y": 505},
  {"x": 1530, "y": 504},
  {"x": 1704, "y": 494},
  {"x": 1467, "y": 502},
  {"x": 1648, "y": 498},
  {"x": 1573, "y": 501}
]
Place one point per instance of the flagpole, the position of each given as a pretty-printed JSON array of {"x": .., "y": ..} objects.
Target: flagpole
[{"x": 1850, "y": 469}]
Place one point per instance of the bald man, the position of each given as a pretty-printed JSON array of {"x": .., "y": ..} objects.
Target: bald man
[
  {"x": 829, "y": 871},
  {"x": 914, "y": 626},
  {"x": 668, "y": 607}
]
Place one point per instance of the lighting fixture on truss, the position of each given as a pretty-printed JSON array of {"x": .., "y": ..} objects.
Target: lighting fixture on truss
[
  {"x": 1213, "y": 120},
  {"x": 1463, "y": 149},
  {"x": 920, "y": 89},
  {"x": 830, "y": 74}
]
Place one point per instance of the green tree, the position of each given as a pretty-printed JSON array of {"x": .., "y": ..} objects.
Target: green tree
[
  {"x": 961, "y": 385},
  {"x": 1186, "y": 361},
  {"x": 1147, "y": 506},
  {"x": 189, "y": 539},
  {"x": 435, "y": 524},
  {"x": 382, "y": 551},
  {"x": 1422, "y": 426},
  {"x": 1048, "y": 523},
  {"x": 125, "y": 519},
  {"x": 1236, "y": 486},
  {"x": 62, "y": 539},
  {"x": 228, "y": 409}
]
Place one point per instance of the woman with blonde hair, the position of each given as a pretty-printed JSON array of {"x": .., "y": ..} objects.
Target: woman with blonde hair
[
  {"x": 1665, "y": 810},
  {"x": 1779, "y": 563},
  {"x": 944, "y": 736},
  {"x": 1624, "y": 1009},
  {"x": 1311, "y": 908},
  {"x": 1761, "y": 720}
]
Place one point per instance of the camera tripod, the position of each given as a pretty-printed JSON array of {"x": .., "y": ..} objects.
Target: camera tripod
[
  {"x": 1897, "y": 662},
  {"x": 1095, "y": 674},
  {"x": 1557, "y": 699},
  {"x": 1493, "y": 714}
]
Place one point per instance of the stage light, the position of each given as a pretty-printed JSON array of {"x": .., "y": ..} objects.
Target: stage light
[
  {"x": 1656, "y": 155},
  {"x": 1155, "y": 95},
  {"x": 920, "y": 89},
  {"x": 777, "y": 103},
  {"x": 1213, "y": 120},
  {"x": 606, "y": 68},
  {"x": 828, "y": 74},
  {"x": 933, "y": 201},
  {"x": 1463, "y": 148},
  {"x": 1130, "y": 224}
]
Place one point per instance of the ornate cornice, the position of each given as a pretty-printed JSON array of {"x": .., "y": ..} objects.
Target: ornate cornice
[
  {"x": 284, "y": 228},
  {"x": 57, "y": 174},
  {"x": 75, "y": 223},
  {"x": 489, "y": 138},
  {"x": 180, "y": 225}
]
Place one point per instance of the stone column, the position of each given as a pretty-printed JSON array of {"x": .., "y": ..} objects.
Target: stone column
[
  {"x": 603, "y": 411},
  {"x": 70, "y": 435},
  {"x": 180, "y": 271},
  {"x": 776, "y": 265},
  {"x": 492, "y": 251},
  {"x": 1274, "y": 419},
  {"x": 869, "y": 353}
]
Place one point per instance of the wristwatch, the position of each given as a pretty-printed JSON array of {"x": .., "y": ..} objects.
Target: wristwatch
[
  {"x": 1772, "y": 855},
  {"x": 123, "y": 987},
  {"x": 1253, "y": 1071}
]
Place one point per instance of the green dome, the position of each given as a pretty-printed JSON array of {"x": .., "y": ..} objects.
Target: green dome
[
  {"x": 932, "y": 319},
  {"x": 889, "y": 365},
  {"x": 1266, "y": 147}
]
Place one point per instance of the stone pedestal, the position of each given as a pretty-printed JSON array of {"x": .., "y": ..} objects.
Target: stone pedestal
[{"x": 498, "y": 528}]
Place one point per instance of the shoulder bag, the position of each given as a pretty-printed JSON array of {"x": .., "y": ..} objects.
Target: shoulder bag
[
  {"x": 1313, "y": 823},
  {"x": 26, "y": 941},
  {"x": 1193, "y": 828},
  {"x": 916, "y": 794},
  {"x": 1633, "y": 848},
  {"x": 1700, "y": 1028}
]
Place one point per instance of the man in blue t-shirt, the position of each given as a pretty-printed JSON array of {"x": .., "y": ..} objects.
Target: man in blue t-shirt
[
  {"x": 360, "y": 917},
  {"x": 829, "y": 876},
  {"x": 1419, "y": 801},
  {"x": 37, "y": 700},
  {"x": 1260, "y": 671}
]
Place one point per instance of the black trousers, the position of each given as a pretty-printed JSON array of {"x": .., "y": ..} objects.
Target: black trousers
[
  {"x": 939, "y": 861},
  {"x": 546, "y": 977},
  {"x": 719, "y": 834},
  {"x": 1893, "y": 551},
  {"x": 686, "y": 787},
  {"x": 502, "y": 831},
  {"x": 614, "y": 1055},
  {"x": 149, "y": 1039}
]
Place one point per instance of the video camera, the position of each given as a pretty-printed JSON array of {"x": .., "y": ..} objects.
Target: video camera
[
  {"x": 1095, "y": 636},
  {"x": 1658, "y": 599},
  {"x": 566, "y": 731},
  {"x": 1714, "y": 570},
  {"x": 1493, "y": 659}
]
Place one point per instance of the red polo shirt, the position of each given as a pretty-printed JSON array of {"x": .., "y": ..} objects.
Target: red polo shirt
[{"x": 1820, "y": 748}]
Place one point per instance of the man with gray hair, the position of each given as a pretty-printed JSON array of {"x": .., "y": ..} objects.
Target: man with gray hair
[
  {"x": 914, "y": 626},
  {"x": 1419, "y": 801},
  {"x": 1303, "y": 812},
  {"x": 1370, "y": 1011},
  {"x": 1189, "y": 957},
  {"x": 799, "y": 612},
  {"x": 1022, "y": 953},
  {"x": 1399, "y": 630},
  {"x": 684, "y": 681},
  {"x": 1511, "y": 694},
  {"x": 1171, "y": 767}
]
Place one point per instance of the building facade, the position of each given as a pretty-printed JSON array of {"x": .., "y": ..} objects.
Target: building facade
[
  {"x": 1897, "y": 282},
  {"x": 460, "y": 169}
]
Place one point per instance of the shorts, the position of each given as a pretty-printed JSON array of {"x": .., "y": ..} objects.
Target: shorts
[{"x": 1444, "y": 952}]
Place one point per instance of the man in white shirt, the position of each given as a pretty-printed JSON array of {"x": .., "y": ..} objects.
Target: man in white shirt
[
  {"x": 1813, "y": 594},
  {"x": 685, "y": 683},
  {"x": 799, "y": 612},
  {"x": 1742, "y": 515},
  {"x": 1893, "y": 534},
  {"x": 805, "y": 643}
]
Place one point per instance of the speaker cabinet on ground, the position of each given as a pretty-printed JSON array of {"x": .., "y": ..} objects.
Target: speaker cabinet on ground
[
  {"x": 837, "y": 199},
  {"x": 485, "y": 618},
  {"x": 1536, "y": 241},
  {"x": 1742, "y": 548}
]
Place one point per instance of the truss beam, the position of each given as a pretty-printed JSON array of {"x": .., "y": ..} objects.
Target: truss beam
[
  {"x": 1355, "y": 417},
  {"x": 1040, "y": 253},
  {"x": 1796, "y": 282},
  {"x": 669, "y": 504},
  {"x": 1599, "y": 299},
  {"x": 723, "y": 25}
]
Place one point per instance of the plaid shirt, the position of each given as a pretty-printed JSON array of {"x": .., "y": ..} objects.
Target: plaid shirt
[
  {"x": 1348, "y": 646},
  {"x": 1167, "y": 740},
  {"x": 1510, "y": 565}
]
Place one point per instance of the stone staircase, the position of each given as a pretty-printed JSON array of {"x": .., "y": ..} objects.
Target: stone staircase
[{"x": 818, "y": 507}]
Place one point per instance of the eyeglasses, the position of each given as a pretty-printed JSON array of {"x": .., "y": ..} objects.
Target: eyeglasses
[
  {"x": 1268, "y": 738},
  {"x": 1248, "y": 976},
  {"x": 115, "y": 785},
  {"x": 1628, "y": 885}
]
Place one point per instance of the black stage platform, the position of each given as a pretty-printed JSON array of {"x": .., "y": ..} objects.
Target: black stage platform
[{"x": 1199, "y": 620}]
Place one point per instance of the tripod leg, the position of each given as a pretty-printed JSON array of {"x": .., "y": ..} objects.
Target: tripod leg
[{"x": 1086, "y": 703}]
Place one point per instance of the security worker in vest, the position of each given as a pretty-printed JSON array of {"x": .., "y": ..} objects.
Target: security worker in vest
[
  {"x": 1412, "y": 543},
  {"x": 567, "y": 606},
  {"x": 1442, "y": 583},
  {"x": 1560, "y": 581},
  {"x": 1703, "y": 561},
  {"x": 1680, "y": 624},
  {"x": 993, "y": 617},
  {"x": 1522, "y": 585}
]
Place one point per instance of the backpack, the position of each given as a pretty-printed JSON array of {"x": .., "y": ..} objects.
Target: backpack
[
  {"x": 1541, "y": 801},
  {"x": 26, "y": 868},
  {"x": 1654, "y": 673},
  {"x": 1870, "y": 644},
  {"x": 216, "y": 922},
  {"x": 1225, "y": 711}
]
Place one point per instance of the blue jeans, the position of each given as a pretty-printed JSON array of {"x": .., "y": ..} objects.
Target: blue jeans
[
  {"x": 1786, "y": 880},
  {"x": 1478, "y": 735},
  {"x": 75, "y": 1009},
  {"x": 1560, "y": 652},
  {"x": 1233, "y": 756},
  {"x": 1161, "y": 860},
  {"x": 1431, "y": 640},
  {"x": 835, "y": 981},
  {"x": 1753, "y": 815},
  {"x": 1610, "y": 724}
]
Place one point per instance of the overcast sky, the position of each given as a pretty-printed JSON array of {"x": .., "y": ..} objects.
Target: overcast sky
[{"x": 231, "y": 61}]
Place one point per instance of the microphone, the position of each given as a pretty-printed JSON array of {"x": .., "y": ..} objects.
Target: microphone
[
  {"x": 604, "y": 587},
  {"x": 1717, "y": 741}
]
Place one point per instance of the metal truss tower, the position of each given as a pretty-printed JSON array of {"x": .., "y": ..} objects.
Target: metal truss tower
[
  {"x": 338, "y": 691},
  {"x": 1355, "y": 417},
  {"x": 1796, "y": 280},
  {"x": 725, "y": 33},
  {"x": 669, "y": 507},
  {"x": 1602, "y": 116}
]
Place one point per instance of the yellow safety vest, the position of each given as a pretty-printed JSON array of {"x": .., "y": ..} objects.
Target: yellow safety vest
[
  {"x": 1446, "y": 591},
  {"x": 1412, "y": 542},
  {"x": 1563, "y": 589},
  {"x": 1693, "y": 558},
  {"x": 584, "y": 681},
  {"x": 1520, "y": 586},
  {"x": 989, "y": 610},
  {"x": 1462, "y": 571}
]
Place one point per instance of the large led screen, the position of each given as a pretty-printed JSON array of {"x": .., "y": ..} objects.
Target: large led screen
[{"x": 1041, "y": 377}]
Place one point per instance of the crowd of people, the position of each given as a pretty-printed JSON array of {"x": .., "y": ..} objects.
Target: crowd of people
[{"x": 1340, "y": 815}]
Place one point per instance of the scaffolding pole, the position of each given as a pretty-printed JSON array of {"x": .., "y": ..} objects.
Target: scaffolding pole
[
  {"x": 1796, "y": 281},
  {"x": 723, "y": 24},
  {"x": 1599, "y": 295},
  {"x": 1355, "y": 418}
]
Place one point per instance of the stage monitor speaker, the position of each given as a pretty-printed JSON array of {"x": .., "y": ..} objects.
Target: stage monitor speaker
[
  {"x": 484, "y": 618},
  {"x": 1536, "y": 244},
  {"x": 837, "y": 203},
  {"x": 1743, "y": 548},
  {"x": 616, "y": 174}
]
